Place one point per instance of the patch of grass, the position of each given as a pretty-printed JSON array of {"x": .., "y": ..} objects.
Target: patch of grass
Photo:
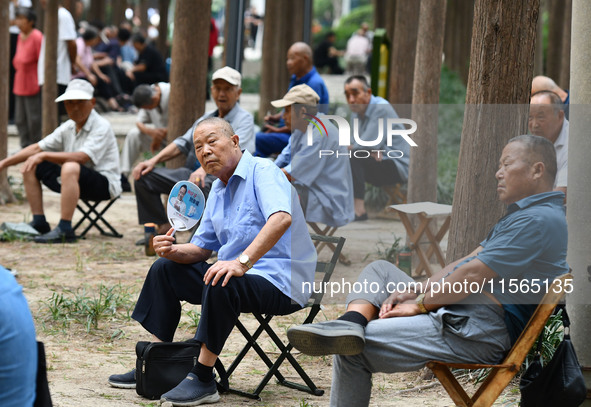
[
  {"x": 387, "y": 251},
  {"x": 80, "y": 307},
  {"x": 194, "y": 317},
  {"x": 12, "y": 236}
]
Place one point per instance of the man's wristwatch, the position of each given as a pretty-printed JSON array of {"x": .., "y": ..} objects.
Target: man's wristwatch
[
  {"x": 245, "y": 260},
  {"x": 420, "y": 301}
]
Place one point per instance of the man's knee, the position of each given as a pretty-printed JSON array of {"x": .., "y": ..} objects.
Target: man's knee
[
  {"x": 70, "y": 169},
  {"x": 133, "y": 135}
]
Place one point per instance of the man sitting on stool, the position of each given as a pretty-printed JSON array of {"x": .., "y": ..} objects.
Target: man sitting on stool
[
  {"x": 80, "y": 159},
  {"x": 265, "y": 254}
]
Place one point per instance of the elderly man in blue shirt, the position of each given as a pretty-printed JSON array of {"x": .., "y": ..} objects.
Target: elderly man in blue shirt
[
  {"x": 251, "y": 219},
  {"x": 381, "y": 164},
  {"x": 300, "y": 65},
  {"x": 400, "y": 325},
  {"x": 318, "y": 168}
]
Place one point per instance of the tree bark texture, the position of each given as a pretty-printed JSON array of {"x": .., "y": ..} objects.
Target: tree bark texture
[
  {"x": 501, "y": 68},
  {"x": 555, "y": 30},
  {"x": 118, "y": 11},
  {"x": 162, "y": 41},
  {"x": 284, "y": 22},
  {"x": 579, "y": 187},
  {"x": 49, "y": 107},
  {"x": 141, "y": 11},
  {"x": 384, "y": 14},
  {"x": 402, "y": 58},
  {"x": 422, "y": 180},
  {"x": 539, "y": 50},
  {"x": 97, "y": 11},
  {"x": 189, "y": 68},
  {"x": 458, "y": 36},
  {"x": 564, "y": 77},
  {"x": 6, "y": 195}
]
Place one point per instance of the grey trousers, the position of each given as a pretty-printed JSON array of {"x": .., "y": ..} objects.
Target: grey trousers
[
  {"x": 462, "y": 333},
  {"x": 27, "y": 117},
  {"x": 135, "y": 143}
]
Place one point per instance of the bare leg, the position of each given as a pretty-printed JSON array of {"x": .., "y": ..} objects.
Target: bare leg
[
  {"x": 359, "y": 205},
  {"x": 369, "y": 311},
  {"x": 207, "y": 357},
  {"x": 70, "y": 176},
  {"x": 33, "y": 191}
]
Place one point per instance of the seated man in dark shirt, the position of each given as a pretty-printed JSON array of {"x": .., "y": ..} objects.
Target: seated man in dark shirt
[
  {"x": 528, "y": 246},
  {"x": 149, "y": 67}
]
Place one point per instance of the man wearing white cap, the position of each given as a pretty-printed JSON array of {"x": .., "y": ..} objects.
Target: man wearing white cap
[
  {"x": 80, "y": 159},
  {"x": 152, "y": 181},
  {"x": 320, "y": 170}
]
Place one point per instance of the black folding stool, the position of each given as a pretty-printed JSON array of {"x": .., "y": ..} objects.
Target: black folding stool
[
  {"x": 93, "y": 214},
  {"x": 324, "y": 271}
]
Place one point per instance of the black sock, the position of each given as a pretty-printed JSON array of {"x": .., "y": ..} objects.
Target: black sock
[
  {"x": 39, "y": 220},
  {"x": 354, "y": 316},
  {"x": 203, "y": 373},
  {"x": 65, "y": 225}
]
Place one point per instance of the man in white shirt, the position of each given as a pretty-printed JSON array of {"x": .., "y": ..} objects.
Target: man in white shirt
[
  {"x": 80, "y": 159},
  {"x": 546, "y": 119}
]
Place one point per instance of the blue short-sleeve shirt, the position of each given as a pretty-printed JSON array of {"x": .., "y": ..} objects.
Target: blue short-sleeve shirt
[
  {"x": 529, "y": 243},
  {"x": 235, "y": 213}
]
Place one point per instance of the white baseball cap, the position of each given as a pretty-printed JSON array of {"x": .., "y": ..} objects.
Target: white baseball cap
[
  {"x": 78, "y": 89},
  {"x": 230, "y": 75}
]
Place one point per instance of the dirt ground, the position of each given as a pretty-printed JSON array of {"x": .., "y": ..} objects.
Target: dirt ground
[{"x": 80, "y": 361}]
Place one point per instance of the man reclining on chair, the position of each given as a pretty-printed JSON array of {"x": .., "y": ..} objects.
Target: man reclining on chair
[
  {"x": 80, "y": 159},
  {"x": 251, "y": 219},
  {"x": 408, "y": 329}
]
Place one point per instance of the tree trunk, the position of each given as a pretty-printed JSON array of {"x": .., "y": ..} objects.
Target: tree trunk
[
  {"x": 555, "y": 30},
  {"x": 384, "y": 14},
  {"x": 97, "y": 11},
  {"x": 579, "y": 187},
  {"x": 402, "y": 58},
  {"x": 5, "y": 192},
  {"x": 564, "y": 77},
  {"x": 501, "y": 68},
  {"x": 162, "y": 41},
  {"x": 49, "y": 110},
  {"x": 189, "y": 69},
  {"x": 280, "y": 33},
  {"x": 458, "y": 36},
  {"x": 118, "y": 11},
  {"x": 422, "y": 180},
  {"x": 141, "y": 11},
  {"x": 539, "y": 52}
]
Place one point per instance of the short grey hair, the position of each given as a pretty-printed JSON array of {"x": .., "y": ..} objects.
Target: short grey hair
[
  {"x": 223, "y": 125},
  {"x": 142, "y": 95},
  {"x": 555, "y": 101},
  {"x": 539, "y": 149}
]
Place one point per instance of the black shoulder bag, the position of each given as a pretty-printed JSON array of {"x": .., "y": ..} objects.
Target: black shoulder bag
[
  {"x": 560, "y": 382},
  {"x": 160, "y": 366}
]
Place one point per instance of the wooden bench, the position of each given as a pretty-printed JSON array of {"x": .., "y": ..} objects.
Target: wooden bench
[{"x": 500, "y": 375}]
